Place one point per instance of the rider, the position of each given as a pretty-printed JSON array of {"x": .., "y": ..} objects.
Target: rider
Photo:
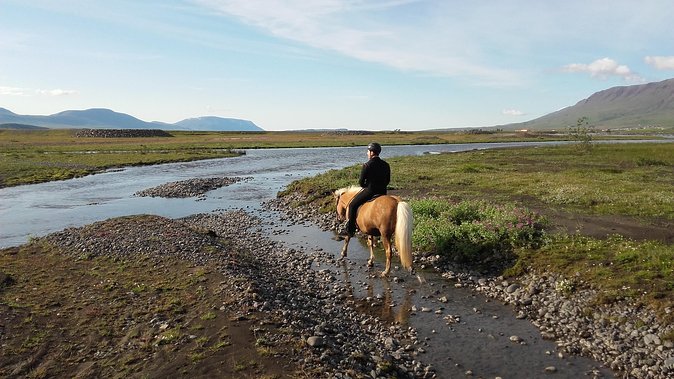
[{"x": 374, "y": 177}]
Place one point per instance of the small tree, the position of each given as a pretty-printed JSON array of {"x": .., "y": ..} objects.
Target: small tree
[{"x": 582, "y": 133}]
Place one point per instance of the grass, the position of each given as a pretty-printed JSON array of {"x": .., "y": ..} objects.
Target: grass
[
  {"x": 454, "y": 197},
  {"x": 474, "y": 232},
  {"x": 620, "y": 267},
  {"x": 40, "y": 156},
  {"x": 608, "y": 181}
]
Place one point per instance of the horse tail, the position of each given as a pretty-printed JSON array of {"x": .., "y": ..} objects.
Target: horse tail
[{"x": 403, "y": 233}]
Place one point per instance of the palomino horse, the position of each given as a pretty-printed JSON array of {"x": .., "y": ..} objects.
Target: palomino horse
[{"x": 384, "y": 216}]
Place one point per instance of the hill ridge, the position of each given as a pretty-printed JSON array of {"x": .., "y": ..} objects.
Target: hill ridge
[
  {"x": 649, "y": 104},
  {"x": 104, "y": 118}
]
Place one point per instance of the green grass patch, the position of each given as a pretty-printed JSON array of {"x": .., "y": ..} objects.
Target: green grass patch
[
  {"x": 474, "y": 232},
  {"x": 608, "y": 181},
  {"x": 620, "y": 267}
]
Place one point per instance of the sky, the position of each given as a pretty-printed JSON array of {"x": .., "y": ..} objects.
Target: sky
[{"x": 328, "y": 64}]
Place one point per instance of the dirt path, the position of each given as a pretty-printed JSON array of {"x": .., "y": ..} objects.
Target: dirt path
[{"x": 599, "y": 226}]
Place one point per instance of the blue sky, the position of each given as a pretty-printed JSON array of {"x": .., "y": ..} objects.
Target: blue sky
[{"x": 297, "y": 64}]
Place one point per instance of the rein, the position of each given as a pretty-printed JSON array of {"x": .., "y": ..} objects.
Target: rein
[{"x": 351, "y": 199}]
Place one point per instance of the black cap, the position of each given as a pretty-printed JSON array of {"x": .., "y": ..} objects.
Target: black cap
[{"x": 374, "y": 147}]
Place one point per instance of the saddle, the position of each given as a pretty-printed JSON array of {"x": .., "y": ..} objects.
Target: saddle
[{"x": 374, "y": 197}]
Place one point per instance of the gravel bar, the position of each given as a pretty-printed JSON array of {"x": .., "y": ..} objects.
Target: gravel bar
[{"x": 190, "y": 187}]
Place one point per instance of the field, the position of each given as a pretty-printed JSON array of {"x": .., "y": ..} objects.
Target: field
[{"x": 39, "y": 156}]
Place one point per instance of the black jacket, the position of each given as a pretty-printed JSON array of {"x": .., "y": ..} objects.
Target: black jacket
[{"x": 375, "y": 175}]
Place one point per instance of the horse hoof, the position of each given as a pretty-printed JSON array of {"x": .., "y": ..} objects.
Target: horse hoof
[
  {"x": 384, "y": 274},
  {"x": 370, "y": 264}
]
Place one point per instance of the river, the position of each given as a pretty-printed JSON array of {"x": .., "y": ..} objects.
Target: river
[
  {"x": 39, "y": 209},
  {"x": 479, "y": 343}
]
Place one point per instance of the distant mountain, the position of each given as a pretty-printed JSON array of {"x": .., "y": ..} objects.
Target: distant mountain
[
  {"x": 650, "y": 104},
  {"x": 212, "y": 123},
  {"x": 100, "y": 118}
]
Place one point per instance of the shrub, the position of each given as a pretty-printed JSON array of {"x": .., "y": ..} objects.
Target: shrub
[{"x": 475, "y": 233}]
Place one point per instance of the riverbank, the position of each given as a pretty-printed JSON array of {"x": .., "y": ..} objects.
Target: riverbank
[{"x": 625, "y": 335}]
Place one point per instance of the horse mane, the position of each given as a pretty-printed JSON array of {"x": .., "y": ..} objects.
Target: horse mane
[{"x": 350, "y": 189}]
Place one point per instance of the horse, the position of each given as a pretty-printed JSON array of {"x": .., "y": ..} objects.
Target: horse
[{"x": 385, "y": 216}]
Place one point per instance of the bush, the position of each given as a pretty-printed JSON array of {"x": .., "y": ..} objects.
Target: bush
[{"x": 474, "y": 233}]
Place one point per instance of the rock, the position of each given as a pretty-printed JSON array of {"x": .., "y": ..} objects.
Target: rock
[
  {"x": 669, "y": 363},
  {"x": 512, "y": 288},
  {"x": 551, "y": 369},
  {"x": 515, "y": 339},
  {"x": 652, "y": 339},
  {"x": 315, "y": 341}
]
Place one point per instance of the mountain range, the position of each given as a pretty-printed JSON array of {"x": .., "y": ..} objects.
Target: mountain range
[
  {"x": 642, "y": 105},
  {"x": 100, "y": 118}
]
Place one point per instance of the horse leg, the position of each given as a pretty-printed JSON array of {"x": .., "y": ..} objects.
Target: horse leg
[
  {"x": 387, "y": 247},
  {"x": 346, "y": 246},
  {"x": 371, "y": 242}
]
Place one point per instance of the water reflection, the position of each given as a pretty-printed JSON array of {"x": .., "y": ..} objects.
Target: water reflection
[{"x": 375, "y": 294}]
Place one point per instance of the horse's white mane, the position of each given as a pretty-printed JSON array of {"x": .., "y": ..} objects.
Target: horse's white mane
[{"x": 349, "y": 189}]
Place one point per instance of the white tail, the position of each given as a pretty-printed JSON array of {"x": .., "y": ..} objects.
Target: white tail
[{"x": 403, "y": 233}]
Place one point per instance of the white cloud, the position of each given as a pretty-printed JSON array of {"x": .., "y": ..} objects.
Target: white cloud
[
  {"x": 14, "y": 91},
  {"x": 17, "y": 91},
  {"x": 661, "y": 63},
  {"x": 604, "y": 68},
  {"x": 384, "y": 32},
  {"x": 512, "y": 112},
  {"x": 472, "y": 41},
  {"x": 56, "y": 92}
]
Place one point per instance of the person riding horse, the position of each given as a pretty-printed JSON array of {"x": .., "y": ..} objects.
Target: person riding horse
[{"x": 374, "y": 178}]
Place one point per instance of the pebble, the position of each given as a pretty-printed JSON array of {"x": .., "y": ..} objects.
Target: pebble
[
  {"x": 515, "y": 339},
  {"x": 315, "y": 341}
]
